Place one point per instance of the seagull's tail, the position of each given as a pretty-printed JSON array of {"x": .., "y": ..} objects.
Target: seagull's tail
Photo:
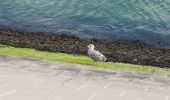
[{"x": 108, "y": 60}]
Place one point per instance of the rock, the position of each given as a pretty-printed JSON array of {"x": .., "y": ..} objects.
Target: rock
[
  {"x": 116, "y": 51},
  {"x": 135, "y": 60}
]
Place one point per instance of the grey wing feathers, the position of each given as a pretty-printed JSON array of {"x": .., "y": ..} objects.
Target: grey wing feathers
[{"x": 97, "y": 56}]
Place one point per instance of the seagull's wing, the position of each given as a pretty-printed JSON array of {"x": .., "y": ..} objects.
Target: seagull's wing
[{"x": 96, "y": 55}]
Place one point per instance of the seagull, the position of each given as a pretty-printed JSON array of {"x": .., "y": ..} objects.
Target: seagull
[{"x": 95, "y": 55}]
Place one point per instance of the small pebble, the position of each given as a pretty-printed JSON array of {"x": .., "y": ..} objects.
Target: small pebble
[
  {"x": 146, "y": 90},
  {"x": 135, "y": 60}
]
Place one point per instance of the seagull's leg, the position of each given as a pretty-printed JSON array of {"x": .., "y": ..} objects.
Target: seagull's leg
[{"x": 94, "y": 62}]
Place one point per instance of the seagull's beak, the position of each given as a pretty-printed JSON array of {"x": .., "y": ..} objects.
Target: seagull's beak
[{"x": 89, "y": 46}]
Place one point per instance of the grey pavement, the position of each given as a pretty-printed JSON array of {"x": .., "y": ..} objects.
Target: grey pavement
[{"x": 32, "y": 79}]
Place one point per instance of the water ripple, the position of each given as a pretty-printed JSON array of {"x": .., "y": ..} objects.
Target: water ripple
[{"x": 106, "y": 19}]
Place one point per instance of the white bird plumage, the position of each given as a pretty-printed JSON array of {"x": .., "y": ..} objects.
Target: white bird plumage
[{"x": 94, "y": 54}]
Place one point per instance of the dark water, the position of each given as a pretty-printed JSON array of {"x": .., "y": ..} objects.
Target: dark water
[{"x": 145, "y": 20}]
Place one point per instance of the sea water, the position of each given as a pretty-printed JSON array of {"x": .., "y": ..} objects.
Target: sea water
[{"x": 144, "y": 20}]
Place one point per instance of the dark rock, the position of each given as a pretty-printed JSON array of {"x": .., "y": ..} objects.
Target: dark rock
[{"x": 134, "y": 52}]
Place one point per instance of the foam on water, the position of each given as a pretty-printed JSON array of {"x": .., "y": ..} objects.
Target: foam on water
[{"x": 146, "y": 20}]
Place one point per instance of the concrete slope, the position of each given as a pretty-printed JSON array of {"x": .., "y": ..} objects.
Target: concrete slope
[{"x": 33, "y": 79}]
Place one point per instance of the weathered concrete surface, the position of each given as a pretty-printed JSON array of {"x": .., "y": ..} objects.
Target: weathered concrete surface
[{"x": 32, "y": 79}]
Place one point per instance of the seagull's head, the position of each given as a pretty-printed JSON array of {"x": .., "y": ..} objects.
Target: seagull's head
[{"x": 90, "y": 46}]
